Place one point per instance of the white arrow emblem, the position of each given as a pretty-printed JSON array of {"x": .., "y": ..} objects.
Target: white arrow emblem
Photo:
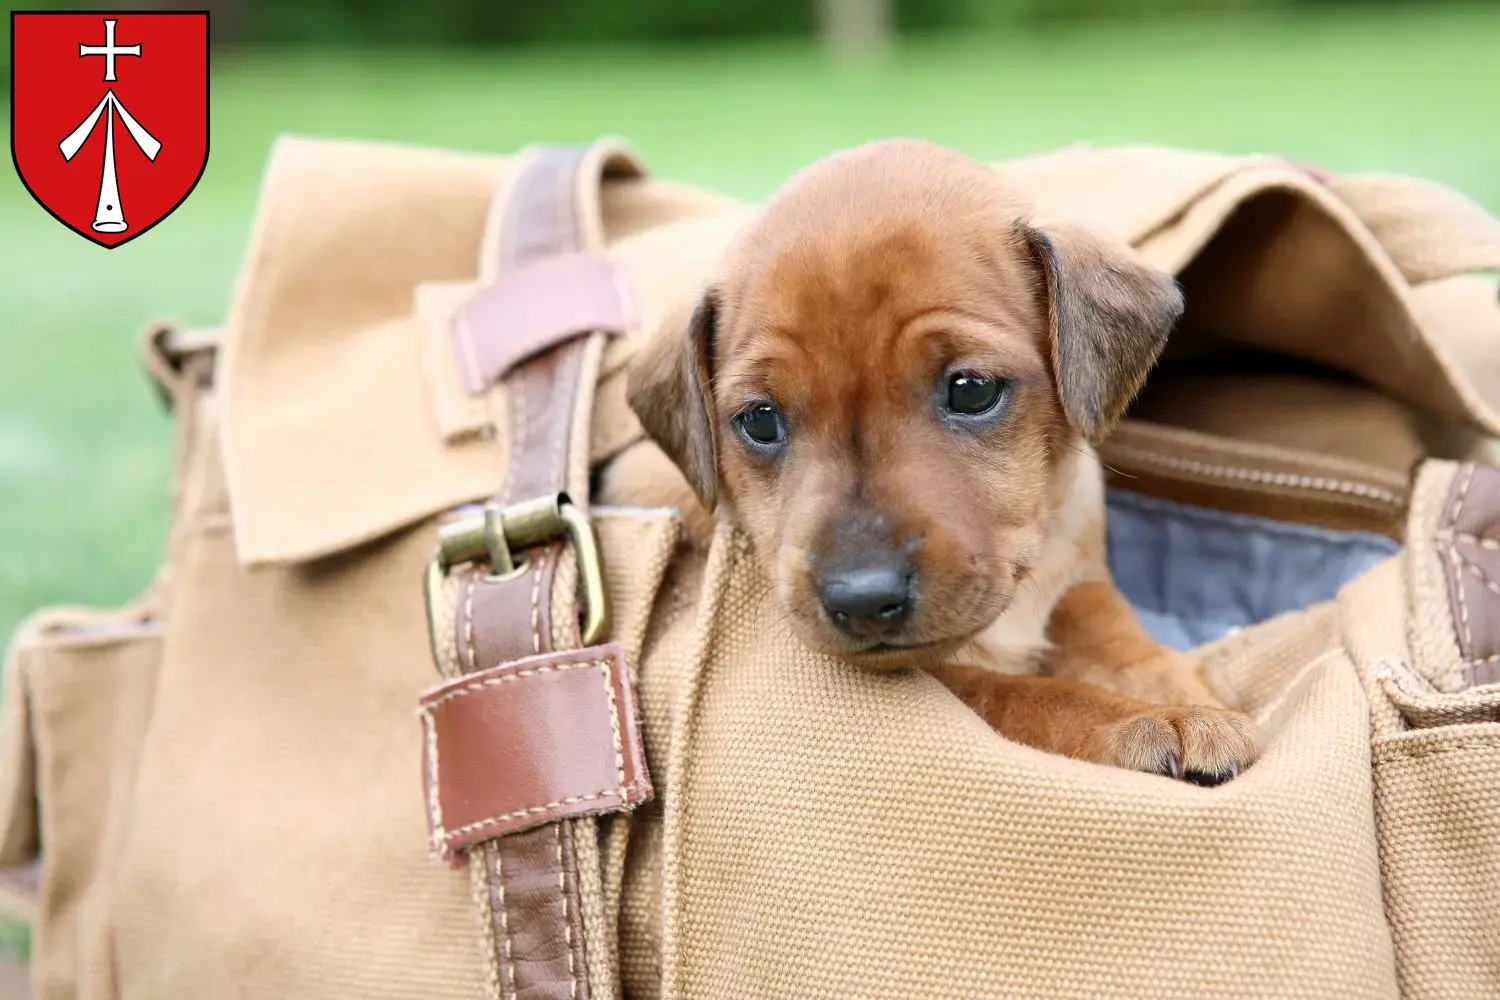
[{"x": 109, "y": 216}]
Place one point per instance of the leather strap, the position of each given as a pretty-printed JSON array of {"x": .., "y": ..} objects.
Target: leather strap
[
  {"x": 529, "y": 735},
  {"x": 490, "y": 773},
  {"x": 1469, "y": 543},
  {"x": 526, "y": 311}
]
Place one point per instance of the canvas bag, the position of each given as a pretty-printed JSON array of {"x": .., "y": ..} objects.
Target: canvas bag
[{"x": 225, "y": 775}]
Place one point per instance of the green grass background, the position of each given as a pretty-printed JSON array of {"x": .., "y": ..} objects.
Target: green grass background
[{"x": 85, "y": 448}]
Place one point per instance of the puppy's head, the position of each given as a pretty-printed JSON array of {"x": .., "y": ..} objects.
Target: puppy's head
[{"x": 886, "y": 383}]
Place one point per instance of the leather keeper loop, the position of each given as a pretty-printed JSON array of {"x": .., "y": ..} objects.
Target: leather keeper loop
[{"x": 529, "y": 742}]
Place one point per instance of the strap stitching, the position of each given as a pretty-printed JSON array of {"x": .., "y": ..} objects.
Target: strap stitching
[
  {"x": 1457, "y": 560},
  {"x": 1478, "y": 572},
  {"x": 623, "y": 793},
  {"x": 536, "y": 607},
  {"x": 562, "y": 887},
  {"x": 564, "y": 378},
  {"x": 623, "y": 790},
  {"x": 1490, "y": 544},
  {"x": 489, "y": 682},
  {"x": 510, "y": 965},
  {"x": 434, "y": 799},
  {"x": 469, "y": 622},
  {"x": 614, "y": 727}
]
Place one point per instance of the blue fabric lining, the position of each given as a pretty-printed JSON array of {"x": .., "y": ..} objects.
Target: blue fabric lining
[{"x": 1194, "y": 575}]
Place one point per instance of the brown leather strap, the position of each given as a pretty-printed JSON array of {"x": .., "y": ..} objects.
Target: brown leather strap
[
  {"x": 528, "y": 310},
  {"x": 489, "y": 773},
  {"x": 1469, "y": 542},
  {"x": 527, "y": 735}
]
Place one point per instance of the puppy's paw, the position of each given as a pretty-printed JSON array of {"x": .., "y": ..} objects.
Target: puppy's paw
[{"x": 1202, "y": 745}]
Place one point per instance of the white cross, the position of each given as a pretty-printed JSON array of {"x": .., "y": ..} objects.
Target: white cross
[{"x": 108, "y": 50}]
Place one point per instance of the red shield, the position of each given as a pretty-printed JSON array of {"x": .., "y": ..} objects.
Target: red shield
[{"x": 109, "y": 116}]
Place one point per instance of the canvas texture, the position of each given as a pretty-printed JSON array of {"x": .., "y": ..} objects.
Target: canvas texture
[{"x": 221, "y": 782}]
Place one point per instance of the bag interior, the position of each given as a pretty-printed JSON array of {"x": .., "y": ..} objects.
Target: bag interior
[
  {"x": 1271, "y": 353},
  {"x": 1195, "y": 575}
]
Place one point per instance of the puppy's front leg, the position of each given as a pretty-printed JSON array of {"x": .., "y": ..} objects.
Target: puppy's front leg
[
  {"x": 1201, "y": 744},
  {"x": 1097, "y": 638}
]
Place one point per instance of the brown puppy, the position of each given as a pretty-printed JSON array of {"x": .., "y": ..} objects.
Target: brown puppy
[{"x": 891, "y": 386}]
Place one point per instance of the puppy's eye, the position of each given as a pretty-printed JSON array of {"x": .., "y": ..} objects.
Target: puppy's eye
[
  {"x": 971, "y": 394},
  {"x": 761, "y": 424}
]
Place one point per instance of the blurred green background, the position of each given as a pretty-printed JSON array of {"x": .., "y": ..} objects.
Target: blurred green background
[{"x": 731, "y": 94}]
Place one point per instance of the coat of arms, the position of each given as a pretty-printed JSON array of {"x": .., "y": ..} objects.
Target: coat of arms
[{"x": 109, "y": 116}]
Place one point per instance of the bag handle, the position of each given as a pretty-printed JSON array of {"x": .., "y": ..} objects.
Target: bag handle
[{"x": 534, "y": 730}]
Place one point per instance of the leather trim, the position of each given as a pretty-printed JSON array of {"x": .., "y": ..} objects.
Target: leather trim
[
  {"x": 534, "y": 309},
  {"x": 1469, "y": 542},
  {"x": 527, "y": 738},
  {"x": 529, "y": 742},
  {"x": 541, "y": 399},
  {"x": 533, "y": 885},
  {"x": 507, "y": 619}
]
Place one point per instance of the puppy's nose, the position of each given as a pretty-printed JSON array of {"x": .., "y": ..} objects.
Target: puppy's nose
[{"x": 867, "y": 600}]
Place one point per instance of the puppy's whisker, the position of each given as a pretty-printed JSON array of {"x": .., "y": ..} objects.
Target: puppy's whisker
[
  {"x": 1029, "y": 581},
  {"x": 1119, "y": 472}
]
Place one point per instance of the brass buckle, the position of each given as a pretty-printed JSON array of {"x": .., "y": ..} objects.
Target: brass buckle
[{"x": 500, "y": 536}]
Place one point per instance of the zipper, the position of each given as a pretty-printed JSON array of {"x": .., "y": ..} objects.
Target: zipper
[
  {"x": 1248, "y": 477},
  {"x": 1252, "y": 476}
]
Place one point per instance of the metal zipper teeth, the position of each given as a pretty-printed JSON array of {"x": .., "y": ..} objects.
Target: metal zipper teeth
[{"x": 1264, "y": 477}]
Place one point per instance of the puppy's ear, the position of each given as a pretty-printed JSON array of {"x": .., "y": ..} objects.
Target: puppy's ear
[
  {"x": 1110, "y": 314},
  {"x": 669, "y": 389}
]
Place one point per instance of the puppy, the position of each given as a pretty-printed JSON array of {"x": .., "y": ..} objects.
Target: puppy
[{"x": 891, "y": 386}]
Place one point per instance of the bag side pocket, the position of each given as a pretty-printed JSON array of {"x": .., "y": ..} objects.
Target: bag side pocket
[
  {"x": 77, "y": 712},
  {"x": 1435, "y": 748}
]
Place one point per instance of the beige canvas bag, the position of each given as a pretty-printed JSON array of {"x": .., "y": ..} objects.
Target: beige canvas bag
[{"x": 270, "y": 777}]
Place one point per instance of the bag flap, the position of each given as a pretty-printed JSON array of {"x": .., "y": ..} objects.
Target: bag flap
[
  {"x": 345, "y": 419},
  {"x": 1272, "y": 256},
  {"x": 334, "y": 427}
]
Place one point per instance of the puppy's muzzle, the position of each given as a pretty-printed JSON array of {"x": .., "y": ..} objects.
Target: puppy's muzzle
[{"x": 869, "y": 596}]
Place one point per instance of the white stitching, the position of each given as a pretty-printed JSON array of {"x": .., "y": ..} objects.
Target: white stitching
[
  {"x": 536, "y": 608},
  {"x": 1483, "y": 577},
  {"x": 623, "y": 793},
  {"x": 490, "y": 682},
  {"x": 469, "y": 622},
  {"x": 436, "y": 837},
  {"x": 1457, "y": 560},
  {"x": 614, "y": 726},
  {"x": 510, "y": 965},
  {"x": 562, "y": 887},
  {"x": 1452, "y": 536},
  {"x": 1263, "y": 477}
]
